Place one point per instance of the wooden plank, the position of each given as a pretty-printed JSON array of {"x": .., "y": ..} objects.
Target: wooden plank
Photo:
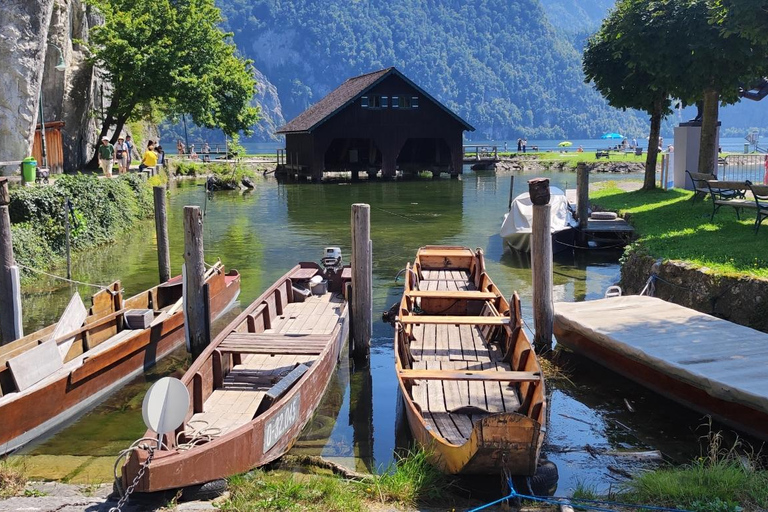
[
  {"x": 35, "y": 364},
  {"x": 471, "y": 375},
  {"x": 493, "y": 396},
  {"x": 303, "y": 274},
  {"x": 315, "y": 351},
  {"x": 448, "y": 253},
  {"x": 454, "y": 320},
  {"x": 442, "y": 349},
  {"x": 73, "y": 318},
  {"x": 452, "y": 294}
]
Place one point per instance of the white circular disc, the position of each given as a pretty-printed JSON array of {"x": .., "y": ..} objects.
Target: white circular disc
[{"x": 165, "y": 405}]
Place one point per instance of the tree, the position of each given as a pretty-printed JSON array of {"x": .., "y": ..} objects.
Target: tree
[
  {"x": 616, "y": 60},
  {"x": 714, "y": 66},
  {"x": 749, "y": 18},
  {"x": 171, "y": 56}
]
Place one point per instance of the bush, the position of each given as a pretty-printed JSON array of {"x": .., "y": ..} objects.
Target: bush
[{"x": 102, "y": 209}]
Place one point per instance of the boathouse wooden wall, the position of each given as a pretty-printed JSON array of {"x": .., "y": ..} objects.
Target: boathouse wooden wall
[
  {"x": 54, "y": 149},
  {"x": 387, "y": 129}
]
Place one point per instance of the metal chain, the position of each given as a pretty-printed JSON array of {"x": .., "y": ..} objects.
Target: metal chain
[{"x": 135, "y": 482}]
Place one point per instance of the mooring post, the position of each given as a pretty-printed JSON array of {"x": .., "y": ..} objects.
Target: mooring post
[
  {"x": 161, "y": 229},
  {"x": 511, "y": 192},
  {"x": 195, "y": 308},
  {"x": 362, "y": 281},
  {"x": 67, "y": 243},
  {"x": 10, "y": 289},
  {"x": 582, "y": 200},
  {"x": 541, "y": 263}
]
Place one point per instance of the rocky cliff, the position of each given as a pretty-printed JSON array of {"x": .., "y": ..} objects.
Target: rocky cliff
[{"x": 42, "y": 33}]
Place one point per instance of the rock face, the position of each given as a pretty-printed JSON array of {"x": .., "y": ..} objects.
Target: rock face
[
  {"x": 22, "y": 53},
  {"x": 40, "y": 34},
  {"x": 737, "y": 299},
  {"x": 271, "y": 109}
]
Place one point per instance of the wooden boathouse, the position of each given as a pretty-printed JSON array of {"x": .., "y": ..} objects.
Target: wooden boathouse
[{"x": 380, "y": 121}]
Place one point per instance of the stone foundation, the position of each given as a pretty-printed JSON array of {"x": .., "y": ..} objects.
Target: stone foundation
[{"x": 742, "y": 300}]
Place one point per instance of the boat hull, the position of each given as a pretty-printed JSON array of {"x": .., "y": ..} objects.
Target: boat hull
[
  {"x": 267, "y": 437},
  {"x": 32, "y": 414},
  {"x": 563, "y": 240},
  {"x": 737, "y": 415}
]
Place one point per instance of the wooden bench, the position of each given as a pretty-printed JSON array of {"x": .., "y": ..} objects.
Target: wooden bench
[
  {"x": 699, "y": 182},
  {"x": 470, "y": 375},
  {"x": 452, "y": 294},
  {"x": 454, "y": 320},
  {"x": 734, "y": 194},
  {"x": 272, "y": 344}
]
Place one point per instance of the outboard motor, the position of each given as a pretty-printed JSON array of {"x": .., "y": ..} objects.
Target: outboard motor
[{"x": 332, "y": 261}]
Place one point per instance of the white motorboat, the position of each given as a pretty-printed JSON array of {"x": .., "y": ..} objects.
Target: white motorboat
[{"x": 516, "y": 227}]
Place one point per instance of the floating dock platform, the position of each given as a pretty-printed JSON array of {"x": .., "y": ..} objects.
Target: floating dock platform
[{"x": 708, "y": 364}]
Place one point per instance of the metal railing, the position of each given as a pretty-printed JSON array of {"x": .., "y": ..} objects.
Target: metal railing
[{"x": 742, "y": 167}]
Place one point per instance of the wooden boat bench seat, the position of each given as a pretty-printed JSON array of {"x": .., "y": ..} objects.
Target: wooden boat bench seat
[
  {"x": 454, "y": 320},
  {"x": 482, "y": 375},
  {"x": 226, "y": 410},
  {"x": 452, "y": 294},
  {"x": 272, "y": 343}
]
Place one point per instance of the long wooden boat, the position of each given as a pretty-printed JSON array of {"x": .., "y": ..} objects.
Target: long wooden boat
[
  {"x": 256, "y": 386},
  {"x": 711, "y": 365},
  {"x": 472, "y": 385},
  {"x": 103, "y": 354}
]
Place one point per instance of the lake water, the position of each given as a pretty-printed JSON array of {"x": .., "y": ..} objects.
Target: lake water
[
  {"x": 728, "y": 144},
  {"x": 264, "y": 232}
]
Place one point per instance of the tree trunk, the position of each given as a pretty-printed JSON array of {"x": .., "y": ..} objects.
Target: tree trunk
[
  {"x": 707, "y": 145},
  {"x": 653, "y": 147}
]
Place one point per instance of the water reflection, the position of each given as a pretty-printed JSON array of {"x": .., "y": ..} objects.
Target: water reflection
[{"x": 265, "y": 232}]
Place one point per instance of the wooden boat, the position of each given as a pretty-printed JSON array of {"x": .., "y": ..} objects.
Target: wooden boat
[
  {"x": 711, "y": 365},
  {"x": 101, "y": 355},
  {"x": 472, "y": 386},
  {"x": 256, "y": 386}
]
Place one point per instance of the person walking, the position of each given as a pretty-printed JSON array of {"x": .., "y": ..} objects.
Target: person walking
[
  {"x": 131, "y": 149},
  {"x": 106, "y": 156},
  {"x": 180, "y": 147},
  {"x": 121, "y": 155},
  {"x": 150, "y": 157}
]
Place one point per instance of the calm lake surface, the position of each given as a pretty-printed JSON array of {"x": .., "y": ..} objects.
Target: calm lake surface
[{"x": 265, "y": 232}]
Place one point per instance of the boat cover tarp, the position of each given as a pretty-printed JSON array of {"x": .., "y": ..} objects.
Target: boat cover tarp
[
  {"x": 726, "y": 360},
  {"x": 520, "y": 216}
]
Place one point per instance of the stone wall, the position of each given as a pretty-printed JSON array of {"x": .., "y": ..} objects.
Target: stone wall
[
  {"x": 31, "y": 45},
  {"x": 23, "y": 36},
  {"x": 741, "y": 300}
]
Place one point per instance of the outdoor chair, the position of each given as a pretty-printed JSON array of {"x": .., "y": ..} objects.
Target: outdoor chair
[{"x": 699, "y": 182}]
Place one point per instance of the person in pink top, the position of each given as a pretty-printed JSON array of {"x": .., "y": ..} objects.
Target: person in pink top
[{"x": 765, "y": 176}]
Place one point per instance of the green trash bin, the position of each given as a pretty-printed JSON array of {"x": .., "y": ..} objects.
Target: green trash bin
[{"x": 29, "y": 169}]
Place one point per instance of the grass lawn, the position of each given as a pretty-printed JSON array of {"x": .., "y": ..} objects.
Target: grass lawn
[{"x": 670, "y": 226}]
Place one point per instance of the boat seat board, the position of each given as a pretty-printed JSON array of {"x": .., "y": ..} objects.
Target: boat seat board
[
  {"x": 35, "y": 364},
  {"x": 227, "y": 409},
  {"x": 452, "y": 294},
  {"x": 454, "y": 320},
  {"x": 493, "y": 375},
  {"x": 726, "y": 360}
]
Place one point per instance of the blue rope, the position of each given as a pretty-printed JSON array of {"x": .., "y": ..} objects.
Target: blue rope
[{"x": 575, "y": 502}]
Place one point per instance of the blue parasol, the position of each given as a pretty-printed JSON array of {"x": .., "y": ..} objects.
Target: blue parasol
[{"x": 613, "y": 135}]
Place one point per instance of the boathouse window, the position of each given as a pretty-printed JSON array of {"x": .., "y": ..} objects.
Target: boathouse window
[
  {"x": 414, "y": 102},
  {"x": 364, "y": 101},
  {"x": 395, "y": 101},
  {"x": 384, "y": 102}
]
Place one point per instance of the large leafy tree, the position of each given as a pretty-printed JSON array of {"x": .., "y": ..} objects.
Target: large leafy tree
[
  {"x": 715, "y": 65},
  {"x": 620, "y": 59},
  {"x": 748, "y": 18},
  {"x": 171, "y": 56}
]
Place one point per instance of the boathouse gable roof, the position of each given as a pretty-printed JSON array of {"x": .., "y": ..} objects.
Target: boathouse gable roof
[{"x": 346, "y": 94}]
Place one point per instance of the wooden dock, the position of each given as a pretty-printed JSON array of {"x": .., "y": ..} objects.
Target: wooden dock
[
  {"x": 711, "y": 365},
  {"x": 481, "y": 157}
]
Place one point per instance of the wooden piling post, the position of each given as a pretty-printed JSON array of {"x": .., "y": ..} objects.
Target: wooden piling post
[
  {"x": 511, "y": 192},
  {"x": 68, "y": 245},
  {"x": 541, "y": 263},
  {"x": 582, "y": 200},
  {"x": 195, "y": 308},
  {"x": 362, "y": 281},
  {"x": 10, "y": 291},
  {"x": 161, "y": 229}
]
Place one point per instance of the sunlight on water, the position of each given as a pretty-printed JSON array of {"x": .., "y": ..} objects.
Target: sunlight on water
[{"x": 265, "y": 232}]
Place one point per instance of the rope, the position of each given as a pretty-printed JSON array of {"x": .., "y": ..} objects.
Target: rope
[
  {"x": 650, "y": 287},
  {"x": 197, "y": 435},
  {"x": 575, "y": 502},
  {"x": 101, "y": 287},
  {"x": 395, "y": 214}
]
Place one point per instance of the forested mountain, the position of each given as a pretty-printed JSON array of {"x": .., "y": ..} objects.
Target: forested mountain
[
  {"x": 576, "y": 15},
  {"x": 499, "y": 64}
]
